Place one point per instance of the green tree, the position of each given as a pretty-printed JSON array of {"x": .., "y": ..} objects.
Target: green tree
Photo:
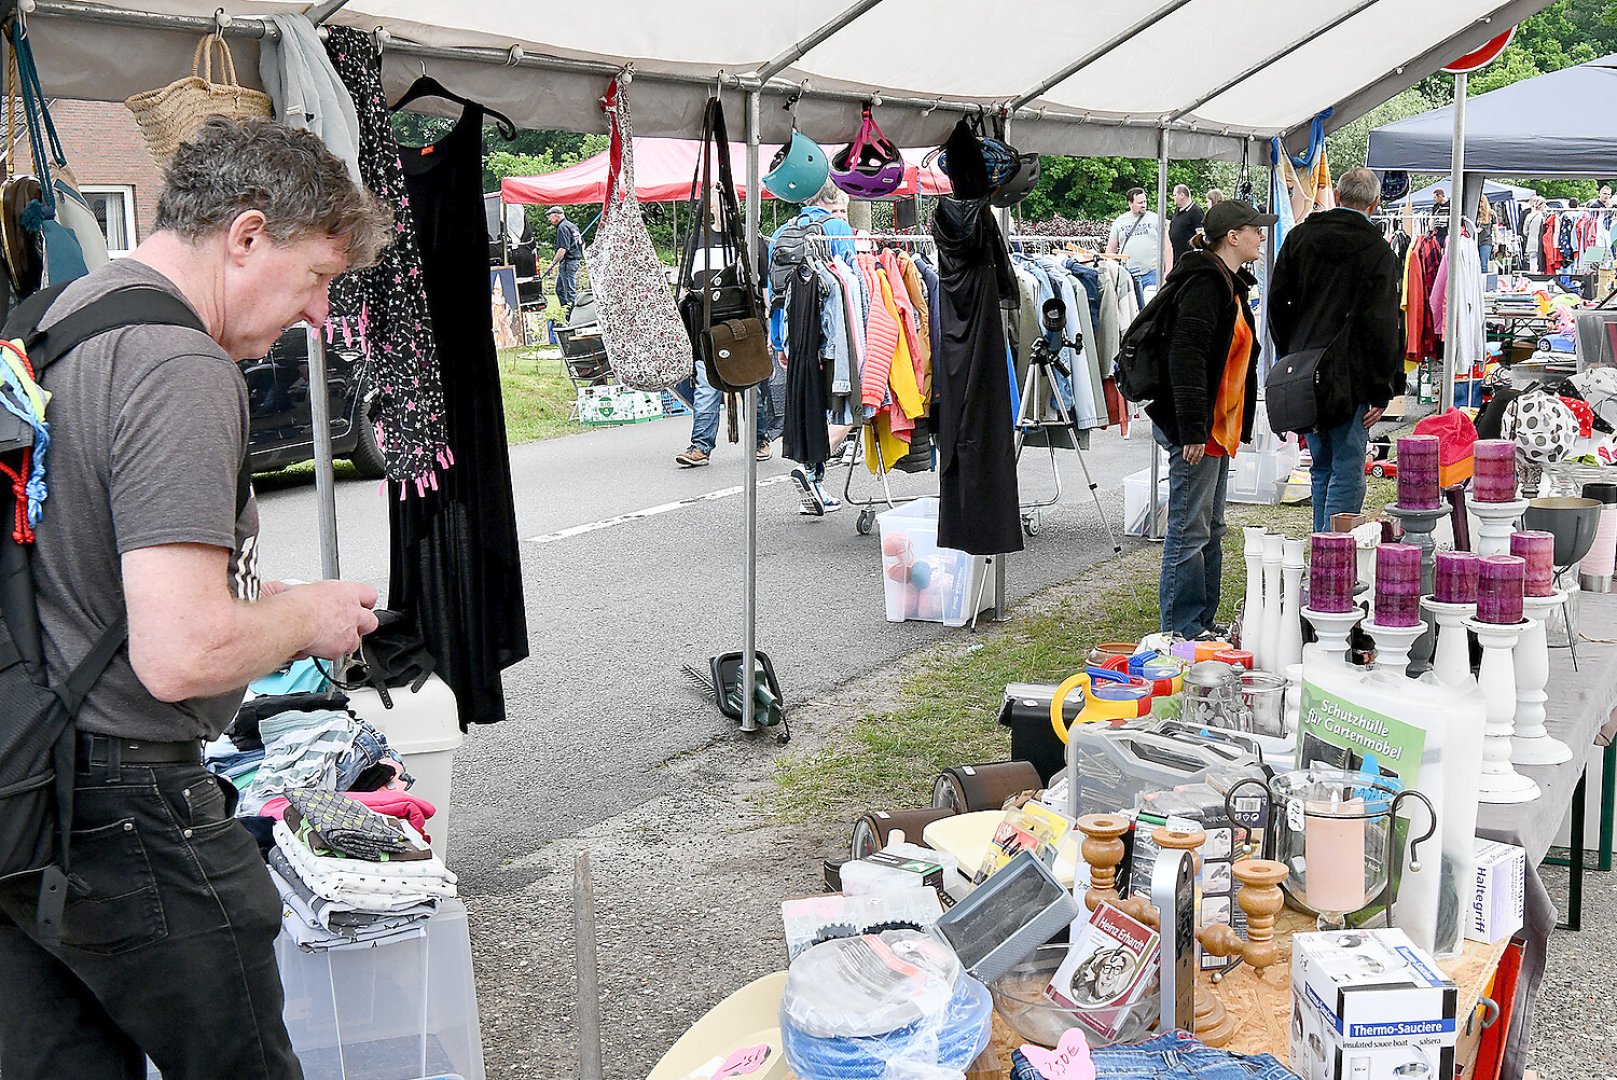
[{"x": 1346, "y": 147}]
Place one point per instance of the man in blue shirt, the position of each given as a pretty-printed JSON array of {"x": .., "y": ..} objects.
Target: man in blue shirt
[
  {"x": 569, "y": 254},
  {"x": 824, "y": 215}
]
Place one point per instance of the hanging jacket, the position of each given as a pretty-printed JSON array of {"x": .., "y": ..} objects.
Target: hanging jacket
[
  {"x": 882, "y": 335},
  {"x": 1199, "y": 345}
]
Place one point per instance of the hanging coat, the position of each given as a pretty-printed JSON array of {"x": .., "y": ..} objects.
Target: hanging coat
[{"x": 978, "y": 509}]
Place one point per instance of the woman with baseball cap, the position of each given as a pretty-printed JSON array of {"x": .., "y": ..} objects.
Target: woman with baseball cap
[{"x": 1212, "y": 368}]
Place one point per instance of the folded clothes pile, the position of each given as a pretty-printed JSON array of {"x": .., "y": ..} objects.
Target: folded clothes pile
[{"x": 349, "y": 875}]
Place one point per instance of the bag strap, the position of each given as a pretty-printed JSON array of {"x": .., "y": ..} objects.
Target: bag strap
[
  {"x": 700, "y": 192},
  {"x": 29, "y": 72},
  {"x": 730, "y": 211}
]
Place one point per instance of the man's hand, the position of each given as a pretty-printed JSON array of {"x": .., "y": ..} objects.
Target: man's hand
[
  {"x": 1372, "y": 415},
  {"x": 1194, "y": 454},
  {"x": 342, "y": 615}
]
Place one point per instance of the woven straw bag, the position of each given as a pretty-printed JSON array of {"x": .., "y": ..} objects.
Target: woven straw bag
[{"x": 170, "y": 115}]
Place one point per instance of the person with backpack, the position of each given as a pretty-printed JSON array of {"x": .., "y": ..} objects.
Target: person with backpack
[
  {"x": 1203, "y": 408},
  {"x": 151, "y": 932},
  {"x": 826, "y": 214},
  {"x": 569, "y": 254}
]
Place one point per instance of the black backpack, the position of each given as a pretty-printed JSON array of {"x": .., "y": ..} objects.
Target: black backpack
[
  {"x": 37, "y": 733},
  {"x": 1141, "y": 370},
  {"x": 789, "y": 251}
]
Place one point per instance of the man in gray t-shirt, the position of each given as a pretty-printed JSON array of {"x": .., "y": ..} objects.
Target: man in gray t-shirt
[
  {"x": 1138, "y": 235},
  {"x": 166, "y": 940}
]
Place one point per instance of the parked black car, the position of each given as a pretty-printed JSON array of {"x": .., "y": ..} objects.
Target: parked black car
[{"x": 282, "y": 431}]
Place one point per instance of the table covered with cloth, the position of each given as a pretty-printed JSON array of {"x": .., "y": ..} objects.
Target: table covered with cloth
[{"x": 1580, "y": 702}]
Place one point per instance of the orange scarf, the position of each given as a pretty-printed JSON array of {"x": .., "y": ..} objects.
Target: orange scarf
[{"x": 1230, "y": 403}]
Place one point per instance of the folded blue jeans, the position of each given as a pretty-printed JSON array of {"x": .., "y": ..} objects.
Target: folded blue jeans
[{"x": 1175, "y": 1054}]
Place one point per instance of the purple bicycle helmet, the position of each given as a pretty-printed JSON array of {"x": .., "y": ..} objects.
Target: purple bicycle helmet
[{"x": 870, "y": 167}]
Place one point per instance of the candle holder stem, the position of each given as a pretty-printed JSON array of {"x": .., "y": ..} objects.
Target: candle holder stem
[
  {"x": 1532, "y": 743},
  {"x": 1452, "y": 664},
  {"x": 1500, "y": 783},
  {"x": 1496, "y": 521}
]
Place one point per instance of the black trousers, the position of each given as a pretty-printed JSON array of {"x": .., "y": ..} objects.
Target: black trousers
[{"x": 167, "y": 943}]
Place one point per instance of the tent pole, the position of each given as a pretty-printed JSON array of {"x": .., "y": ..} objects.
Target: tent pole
[
  {"x": 325, "y": 10},
  {"x": 325, "y": 493},
  {"x": 800, "y": 49},
  {"x": 1451, "y": 315},
  {"x": 749, "y": 580},
  {"x": 1153, "y": 528}
]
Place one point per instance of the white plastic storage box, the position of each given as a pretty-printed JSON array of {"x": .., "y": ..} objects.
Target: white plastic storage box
[
  {"x": 424, "y": 727},
  {"x": 402, "y": 1010},
  {"x": 1136, "y": 509},
  {"x": 1257, "y": 476},
  {"x": 923, "y": 581}
]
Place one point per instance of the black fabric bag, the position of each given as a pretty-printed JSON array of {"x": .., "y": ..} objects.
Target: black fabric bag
[
  {"x": 723, "y": 316},
  {"x": 1299, "y": 399},
  {"x": 37, "y": 733},
  {"x": 1141, "y": 368},
  {"x": 393, "y": 655}
]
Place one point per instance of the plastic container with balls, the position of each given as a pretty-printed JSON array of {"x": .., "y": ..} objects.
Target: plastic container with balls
[{"x": 923, "y": 581}]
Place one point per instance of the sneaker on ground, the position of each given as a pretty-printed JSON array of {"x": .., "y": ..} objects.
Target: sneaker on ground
[
  {"x": 764, "y": 452},
  {"x": 693, "y": 457},
  {"x": 830, "y": 503},
  {"x": 808, "y": 496}
]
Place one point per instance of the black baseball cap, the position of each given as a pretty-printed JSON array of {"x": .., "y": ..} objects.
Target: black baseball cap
[{"x": 1229, "y": 215}]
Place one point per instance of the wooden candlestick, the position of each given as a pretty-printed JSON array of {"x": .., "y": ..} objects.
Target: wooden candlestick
[
  {"x": 1102, "y": 850},
  {"x": 1261, "y": 899}
]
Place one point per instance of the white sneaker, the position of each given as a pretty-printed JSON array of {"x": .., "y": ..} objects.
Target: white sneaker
[{"x": 809, "y": 501}]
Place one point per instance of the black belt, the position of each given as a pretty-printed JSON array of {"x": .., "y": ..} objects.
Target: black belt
[{"x": 96, "y": 749}]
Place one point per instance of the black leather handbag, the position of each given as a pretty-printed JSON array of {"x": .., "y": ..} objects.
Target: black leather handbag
[
  {"x": 723, "y": 311},
  {"x": 1298, "y": 398}
]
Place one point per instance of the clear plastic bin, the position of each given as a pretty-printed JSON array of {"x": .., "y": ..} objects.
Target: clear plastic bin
[
  {"x": 924, "y": 582},
  {"x": 1136, "y": 505}
]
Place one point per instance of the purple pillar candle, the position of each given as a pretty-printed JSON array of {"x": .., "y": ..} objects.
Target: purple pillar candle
[
  {"x": 1417, "y": 472},
  {"x": 1538, "y": 548},
  {"x": 1332, "y": 570},
  {"x": 1398, "y": 584},
  {"x": 1493, "y": 477},
  {"x": 1457, "y": 577},
  {"x": 1499, "y": 589}
]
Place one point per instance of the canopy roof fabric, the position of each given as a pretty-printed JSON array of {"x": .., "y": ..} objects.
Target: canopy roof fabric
[
  {"x": 1099, "y": 78},
  {"x": 663, "y": 170},
  {"x": 1497, "y": 193},
  {"x": 1558, "y": 124}
]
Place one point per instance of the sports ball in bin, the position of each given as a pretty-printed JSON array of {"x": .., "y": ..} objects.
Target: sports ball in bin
[{"x": 799, "y": 170}]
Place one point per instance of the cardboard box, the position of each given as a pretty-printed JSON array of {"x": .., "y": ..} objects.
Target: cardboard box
[
  {"x": 1501, "y": 890},
  {"x": 1368, "y": 1005},
  {"x": 617, "y": 405}
]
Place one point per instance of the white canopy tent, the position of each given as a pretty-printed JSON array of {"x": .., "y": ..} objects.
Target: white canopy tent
[{"x": 1190, "y": 79}]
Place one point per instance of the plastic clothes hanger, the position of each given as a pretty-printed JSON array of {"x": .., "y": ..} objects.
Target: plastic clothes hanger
[{"x": 427, "y": 86}]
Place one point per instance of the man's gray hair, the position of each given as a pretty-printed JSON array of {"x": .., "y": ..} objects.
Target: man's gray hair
[
  {"x": 1359, "y": 188},
  {"x": 303, "y": 190},
  {"x": 1181, "y": 189},
  {"x": 830, "y": 197}
]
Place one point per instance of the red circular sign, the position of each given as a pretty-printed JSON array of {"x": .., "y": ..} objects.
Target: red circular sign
[{"x": 1482, "y": 56}]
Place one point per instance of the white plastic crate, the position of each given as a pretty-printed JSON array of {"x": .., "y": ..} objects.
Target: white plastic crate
[
  {"x": 1137, "y": 508},
  {"x": 924, "y": 582}
]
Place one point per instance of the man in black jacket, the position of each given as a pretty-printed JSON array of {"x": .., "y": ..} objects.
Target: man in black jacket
[{"x": 1336, "y": 284}]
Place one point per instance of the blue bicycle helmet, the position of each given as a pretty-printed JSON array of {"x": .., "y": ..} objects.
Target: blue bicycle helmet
[{"x": 799, "y": 170}]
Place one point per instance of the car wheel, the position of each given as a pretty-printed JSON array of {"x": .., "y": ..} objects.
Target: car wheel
[
  {"x": 1377, "y": 471},
  {"x": 367, "y": 457}
]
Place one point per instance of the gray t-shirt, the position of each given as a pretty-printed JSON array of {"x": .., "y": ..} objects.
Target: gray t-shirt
[
  {"x": 1138, "y": 237},
  {"x": 148, "y": 428}
]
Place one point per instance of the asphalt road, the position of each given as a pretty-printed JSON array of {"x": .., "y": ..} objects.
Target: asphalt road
[{"x": 615, "y": 610}]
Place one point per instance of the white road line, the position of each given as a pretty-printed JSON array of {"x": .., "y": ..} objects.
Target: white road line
[{"x": 653, "y": 511}]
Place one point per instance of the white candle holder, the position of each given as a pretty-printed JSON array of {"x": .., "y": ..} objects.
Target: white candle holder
[
  {"x": 1273, "y": 596},
  {"x": 1332, "y": 628},
  {"x": 1500, "y": 783},
  {"x": 1393, "y": 644},
  {"x": 1497, "y": 521},
  {"x": 1252, "y": 610},
  {"x": 1452, "y": 665},
  {"x": 1532, "y": 743},
  {"x": 1290, "y": 648}
]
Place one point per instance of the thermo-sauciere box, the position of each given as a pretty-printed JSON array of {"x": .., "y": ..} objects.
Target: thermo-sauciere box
[{"x": 1369, "y": 1005}]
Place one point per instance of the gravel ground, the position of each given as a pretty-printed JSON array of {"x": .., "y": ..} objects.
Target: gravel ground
[{"x": 1575, "y": 1035}]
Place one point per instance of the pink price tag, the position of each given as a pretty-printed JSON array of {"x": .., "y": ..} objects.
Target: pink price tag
[
  {"x": 748, "y": 1061},
  {"x": 1068, "y": 1061}
]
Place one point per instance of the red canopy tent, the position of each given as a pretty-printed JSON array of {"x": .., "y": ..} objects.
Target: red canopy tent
[{"x": 663, "y": 170}]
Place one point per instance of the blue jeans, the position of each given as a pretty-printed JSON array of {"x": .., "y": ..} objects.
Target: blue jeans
[
  {"x": 1337, "y": 471},
  {"x": 706, "y": 405},
  {"x": 567, "y": 283},
  {"x": 1175, "y": 1054},
  {"x": 1193, "y": 549},
  {"x": 1146, "y": 278}
]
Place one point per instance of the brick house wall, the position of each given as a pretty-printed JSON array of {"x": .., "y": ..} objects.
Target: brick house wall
[{"x": 104, "y": 147}]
